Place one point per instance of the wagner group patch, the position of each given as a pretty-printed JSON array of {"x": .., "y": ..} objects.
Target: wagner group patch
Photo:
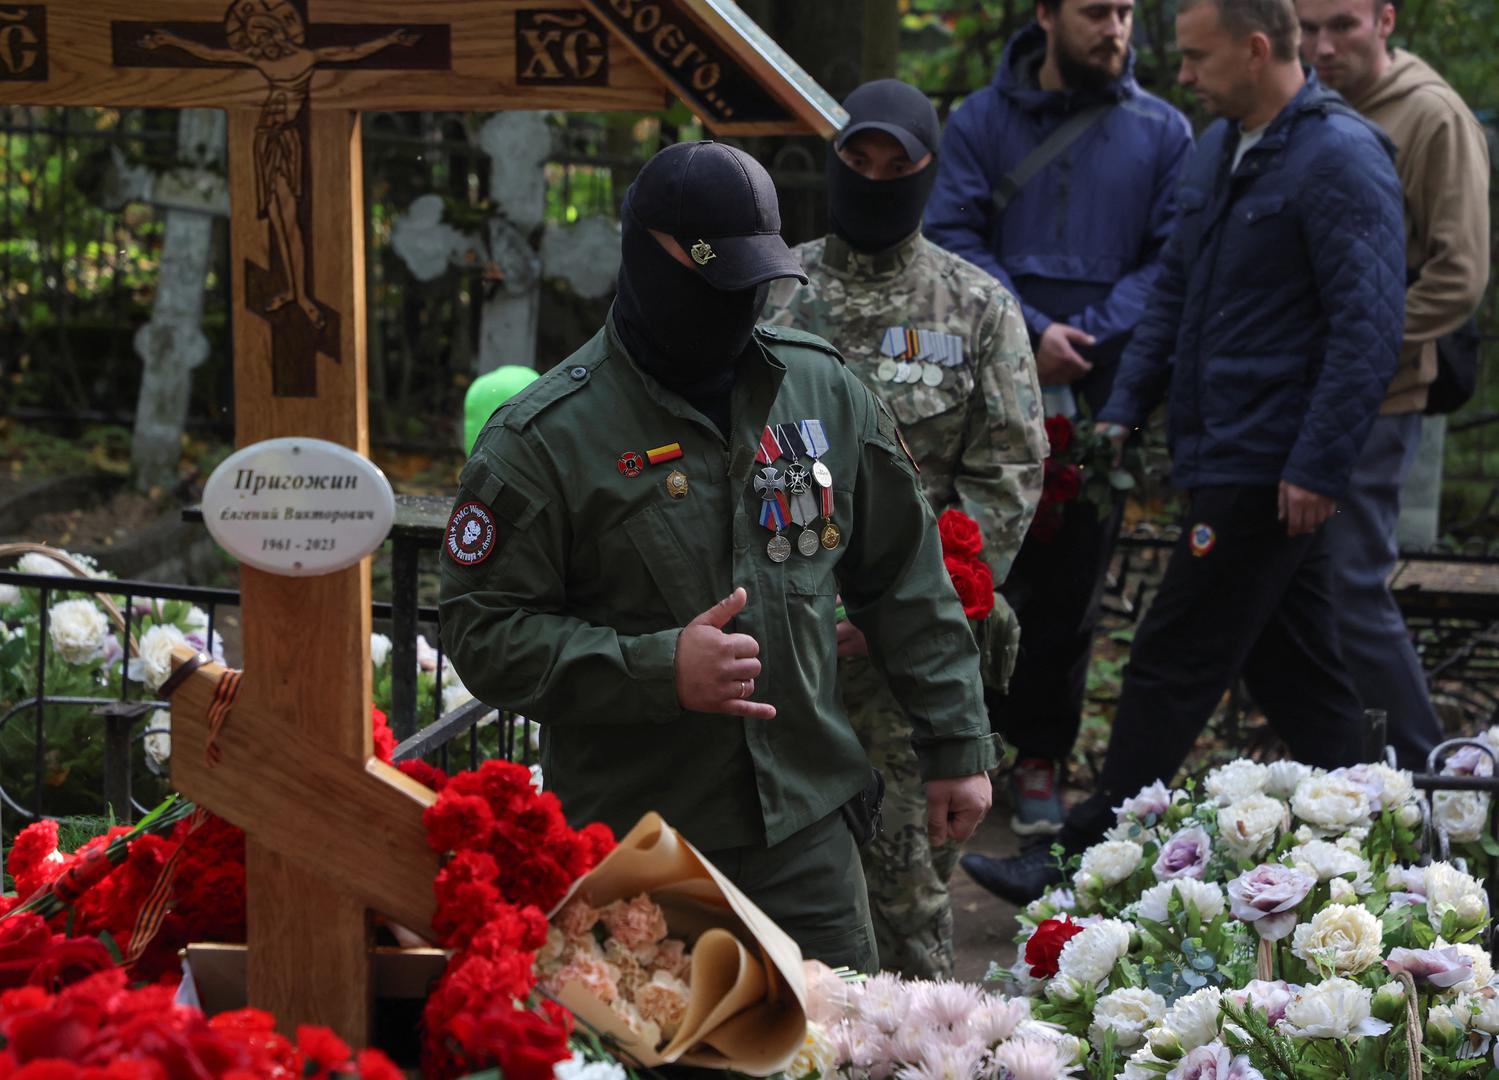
[
  {"x": 1202, "y": 540},
  {"x": 471, "y": 534}
]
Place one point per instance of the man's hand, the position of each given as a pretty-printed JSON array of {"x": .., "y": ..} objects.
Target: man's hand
[
  {"x": 1057, "y": 361},
  {"x": 1303, "y": 511},
  {"x": 716, "y": 671},
  {"x": 851, "y": 640},
  {"x": 955, "y": 807}
]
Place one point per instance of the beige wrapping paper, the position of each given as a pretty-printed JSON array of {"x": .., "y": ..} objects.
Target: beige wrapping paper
[{"x": 746, "y": 1008}]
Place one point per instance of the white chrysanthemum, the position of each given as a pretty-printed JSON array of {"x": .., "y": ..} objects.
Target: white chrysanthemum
[
  {"x": 9, "y": 594},
  {"x": 1191, "y": 1022},
  {"x": 1107, "y": 864},
  {"x": 883, "y": 1002},
  {"x": 1330, "y": 803},
  {"x": 380, "y": 647},
  {"x": 1449, "y": 889},
  {"x": 1089, "y": 957},
  {"x": 1333, "y": 1009},
  {"x": 1237, "y": 780},
  {"x": 77, "y": 629},
  {"x": 1284, "y": 777},
  {"x": 998, "y": 1017},
  {"x": 1205, "y": 896},
  {"x": 1128, "y": 1012},
  {"x": 1483, "y": 967},
  {"x": 1462, "y": 815},
  {"x": 1033, "y": 1055},
  {"x": 1251, "y": 825},
  {"x": 1343, "y": 939},
  {"x": 154, "y": 663},
  {"x": 578, "y": 1067},
  {"x": 1325, "y": 861}
]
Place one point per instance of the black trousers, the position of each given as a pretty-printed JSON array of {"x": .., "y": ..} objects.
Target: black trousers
[
  {"x": 1239, "y": 598},
  {"x": 1056, "y": 589}
]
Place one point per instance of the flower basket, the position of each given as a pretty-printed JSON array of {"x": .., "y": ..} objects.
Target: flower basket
[{"x": 746, "y": 1002}]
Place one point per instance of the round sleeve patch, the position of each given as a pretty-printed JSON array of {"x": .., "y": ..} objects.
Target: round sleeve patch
[{"x": 471, "y": 534}]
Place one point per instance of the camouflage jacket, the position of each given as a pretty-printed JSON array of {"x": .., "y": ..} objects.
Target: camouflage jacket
[{"x": 945, "y": 346}]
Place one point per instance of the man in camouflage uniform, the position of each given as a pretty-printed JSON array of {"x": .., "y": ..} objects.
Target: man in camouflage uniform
[{"x": 945, "y": 346}]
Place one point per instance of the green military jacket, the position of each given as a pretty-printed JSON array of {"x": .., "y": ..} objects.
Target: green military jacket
[
  {"x": 978, "y": 433},
  {"x": 566, "y": 580}
]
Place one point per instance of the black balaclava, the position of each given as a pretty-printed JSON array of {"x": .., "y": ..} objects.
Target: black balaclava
[
  {"x": 684, "y": 332},
  {"x": 875, "y": 215}
]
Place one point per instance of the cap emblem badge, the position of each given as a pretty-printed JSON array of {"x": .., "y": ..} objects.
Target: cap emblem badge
[{"x": 702, "y": 252}]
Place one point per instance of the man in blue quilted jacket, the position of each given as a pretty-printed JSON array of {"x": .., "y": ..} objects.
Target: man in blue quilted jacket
[
  {"x": 1078, "y": 243},
  {"x": 1272, "y": 333}
]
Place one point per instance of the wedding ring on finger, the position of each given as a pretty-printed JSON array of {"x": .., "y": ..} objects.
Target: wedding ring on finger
[{"x": 743, "y": 688}]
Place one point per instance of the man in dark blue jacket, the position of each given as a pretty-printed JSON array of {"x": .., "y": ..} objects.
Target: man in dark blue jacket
[
  {"x": 1273, "y": 332},
  {"x": 1079, "y": 246}
]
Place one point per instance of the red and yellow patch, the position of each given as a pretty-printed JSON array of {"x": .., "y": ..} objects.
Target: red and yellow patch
[
  {"x": 471, "y": 534},
  {"x": 669, "y": 452}
]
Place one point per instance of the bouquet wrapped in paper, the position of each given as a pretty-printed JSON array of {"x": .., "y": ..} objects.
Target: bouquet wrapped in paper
[{"x": 658, "y": 949}]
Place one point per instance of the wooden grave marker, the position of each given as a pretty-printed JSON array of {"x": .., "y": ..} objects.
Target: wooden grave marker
[{"x": 333, "y": 834}]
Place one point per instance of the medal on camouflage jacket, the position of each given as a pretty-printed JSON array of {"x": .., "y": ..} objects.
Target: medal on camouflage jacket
[
  {"x": 799, "y": 487},
  {"x": 773, "y": 514},
  {"x": 832, "y": 536}
]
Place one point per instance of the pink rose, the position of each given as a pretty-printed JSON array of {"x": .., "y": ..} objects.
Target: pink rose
[
  {"x": 1185, "y": 855},
  {"x": 1215, "y": 1062},
  {"x": 1468, "y": 761},
  {"x": 1442, "y": 968},
  {"x": 1268, "y": 996},
  {"x": 636, "y": 923},
  {"x": 1266, "y": 898}
]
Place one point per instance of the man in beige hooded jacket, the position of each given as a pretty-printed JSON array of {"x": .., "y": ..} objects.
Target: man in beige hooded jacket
[{"x": 1442, "y": 161}]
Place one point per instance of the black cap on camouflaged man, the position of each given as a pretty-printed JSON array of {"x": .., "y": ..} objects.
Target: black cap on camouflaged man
[{"x": 720, "y": 205}]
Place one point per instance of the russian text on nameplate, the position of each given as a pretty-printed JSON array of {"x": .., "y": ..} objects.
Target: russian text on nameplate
[{"x": 298, "y": 506}]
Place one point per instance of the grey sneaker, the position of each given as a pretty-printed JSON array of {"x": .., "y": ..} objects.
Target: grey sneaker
[{"x": 1033, "y": 792}]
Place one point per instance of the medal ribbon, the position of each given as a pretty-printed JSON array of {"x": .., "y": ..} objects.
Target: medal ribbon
[
  {"x": 827, "y": 503},
  {"x": 814, "y": 437},
  {"x": 773, "y": 513},
  {"x": 788, "y": 436},
  {"x": 770, "y": 449}
]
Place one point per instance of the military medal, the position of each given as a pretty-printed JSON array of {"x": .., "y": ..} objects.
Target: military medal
[
  {"x": 831, "y": 536},
  {"x": 778, "y": 548},
  {"x": 630, "y": 463},
  {"x": 886, "y": 371},
  {"x": 932, "y": 375},
  {"x": 676, "y": 484},
  {"x": 816, "y": 441}
]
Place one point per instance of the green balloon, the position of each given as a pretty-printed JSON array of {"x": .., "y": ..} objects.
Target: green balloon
[{"x": 487, "y": 393}]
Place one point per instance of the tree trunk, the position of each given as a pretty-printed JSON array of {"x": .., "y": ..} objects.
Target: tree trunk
[{"x": 173, "y": 342}]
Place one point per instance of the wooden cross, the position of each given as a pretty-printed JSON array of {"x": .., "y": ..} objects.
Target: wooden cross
[{"x": 331, "y": 834}]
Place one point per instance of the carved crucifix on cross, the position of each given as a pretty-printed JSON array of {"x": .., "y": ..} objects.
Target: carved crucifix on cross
[{"x": 332, "y": 834}]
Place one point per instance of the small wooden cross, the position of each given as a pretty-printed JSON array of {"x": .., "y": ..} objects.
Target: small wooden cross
[{"x": 332, "y": 834}]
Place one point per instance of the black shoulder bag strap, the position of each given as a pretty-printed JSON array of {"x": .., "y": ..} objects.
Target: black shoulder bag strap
[{"x": 1067, "y": 133}]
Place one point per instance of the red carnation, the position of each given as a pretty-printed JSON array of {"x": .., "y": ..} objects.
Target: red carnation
[
  {"x": 1062, "y": 483},
  {"x": 34, "y": 859},
  {"x": 523, "y": 1043},
  {"x": 458, "y": 821},
  {"x": 373, "y": 1065},
  {"x": 1045, "y": 945},
  {"x": 422, "y": 773},
  {"x": 324, "y": 1051},
  {"x": 960, "y": 534},
  {"x": 974, "y": 583},
  {"x": 385, "y": 739},
  {"x": 1058, "y": 434}
]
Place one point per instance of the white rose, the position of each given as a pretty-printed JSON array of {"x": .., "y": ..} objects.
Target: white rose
[
  {"x": 1284, "y": 777},
  {"x": 1326, "y": 861},
  {"x": 78, "y": 629},
  {"x": 1398, "y": 788},
  {"x": 1205, "y": 896},
  {"x": 1449, "y": 889},
  {"x": 1128, "y": 1013},
  {"x": 1460, "y": 814},
  {"x": 1088, "y": 958},
  {"x": 1108, "y": 863},
  {"x": 379, "y": 649},
  {"x": 1443, "y": 1022},
  {"x": 1191, "y": 1022},
  {"x": 35, "y": 563},
  {"x": 158, "y": 740},
  {"x": 1340, "y": 891},
  {"x": 9, "y": 594},
  {"x": 1330, "y": 803},
  {"x": 1250, "y": 825},
  {"x": 1237, "y": 780},
  {"x": 1482, "y": 1010},
  {"x": 1138, "y": 1067},
  {"x": 154, "y": 663},
  {"x": 1341, "y": 938},
  {"x": 1334, "y": 1009}
]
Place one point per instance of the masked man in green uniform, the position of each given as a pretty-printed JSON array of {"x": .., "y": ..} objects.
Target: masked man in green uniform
[
  {"x": 645, "y": 550},
  {"x": 944, "y": 345}
]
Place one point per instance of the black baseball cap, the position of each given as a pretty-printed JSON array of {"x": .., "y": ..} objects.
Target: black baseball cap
[
  {"x": 720, "y": 205},
  {"x": 896, "y": 108}
]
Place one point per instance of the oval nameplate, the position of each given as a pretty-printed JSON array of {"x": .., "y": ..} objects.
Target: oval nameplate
[{"x": 298, "y": 506}]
